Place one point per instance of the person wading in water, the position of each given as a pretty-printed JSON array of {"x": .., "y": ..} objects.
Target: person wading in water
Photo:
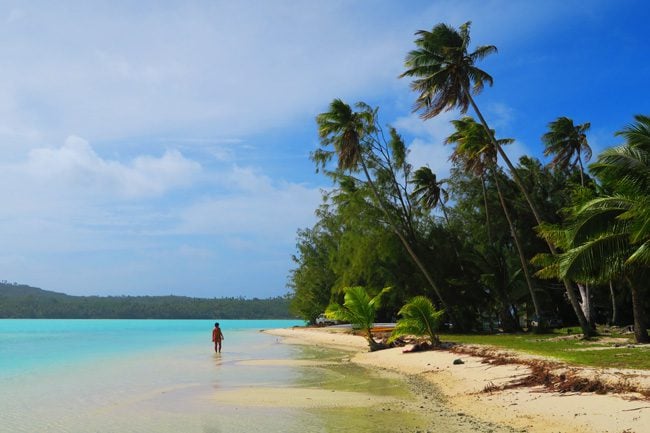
[{"x": 217, "y": 336}]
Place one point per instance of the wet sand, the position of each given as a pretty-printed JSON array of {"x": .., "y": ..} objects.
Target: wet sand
[{"x": 467, "y": 407}]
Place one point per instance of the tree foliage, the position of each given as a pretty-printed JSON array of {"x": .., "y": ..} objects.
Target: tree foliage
[
  {"x": 465, "y": 241},
  {"x": 23, "y": 302}
]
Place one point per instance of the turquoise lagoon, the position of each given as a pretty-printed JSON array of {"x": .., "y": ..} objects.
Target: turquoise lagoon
[{"x": 163, "y": 375}]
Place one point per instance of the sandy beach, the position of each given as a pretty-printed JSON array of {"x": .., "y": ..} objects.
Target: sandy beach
[{"x": 463, "y": 387}]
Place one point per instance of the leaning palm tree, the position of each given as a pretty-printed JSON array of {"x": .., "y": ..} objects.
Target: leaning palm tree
[
  {"x": 428, "y": 190},
  {"x": 475, "y": 153},
  {"x": 419, "y": 318},
  {"x": 608, "y": 236},
  {"x": 445, "y": 78},
  {"x": 359, "y": 309},
  {"x": 346, "y": 129},
  {"x": 567, "y": 143}
]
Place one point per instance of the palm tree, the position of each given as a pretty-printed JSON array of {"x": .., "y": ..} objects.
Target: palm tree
[
  {"x": 346, "y": 129},
  {"x": 626, "y": 170},
  {"x": 418, "y": 317},
  {"x": 608, "y": 236},
  {"x": 475, "y": 153},
  {"x": 445, "y": 78},
  {"x": 567, "y": 142},
  {"x": 430, "y": 193},
  {"x": 428, "y": 190},
  {"x": 358, "y": 309}
]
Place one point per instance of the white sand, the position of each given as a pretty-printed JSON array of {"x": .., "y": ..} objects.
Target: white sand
[{"x": 532, "y": 409}]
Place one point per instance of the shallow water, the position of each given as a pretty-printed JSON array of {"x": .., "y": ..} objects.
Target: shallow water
[{"x": 163, "y": 376}]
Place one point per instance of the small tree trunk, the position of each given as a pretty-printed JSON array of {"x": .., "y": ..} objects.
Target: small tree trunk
[
  {"x": 582, "y": 176},
  {"x": 614, "y": 306},
  {"x": 374, "y": 345},
  {"x": 585, "y": 304},
  {"x": 640, "y": 330},
  {"x": 487, "y": 211},
  {"x": 509, "y": 322}
]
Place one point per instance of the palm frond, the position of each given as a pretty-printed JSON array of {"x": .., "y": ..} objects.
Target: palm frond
[
  {"x": 597, "y": 260},
  {"x": 418, "y": 317},
  {"x": 637, "y": 134}
]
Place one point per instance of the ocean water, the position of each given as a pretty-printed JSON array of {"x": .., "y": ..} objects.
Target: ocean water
[{"x": 163, "y": 376}]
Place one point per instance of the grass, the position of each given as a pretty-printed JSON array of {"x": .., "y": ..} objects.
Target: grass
[{"x": 600, "y": 352}]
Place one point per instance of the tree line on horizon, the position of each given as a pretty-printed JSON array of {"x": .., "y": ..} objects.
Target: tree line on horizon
[
  {"x": 498, "y": 242},
  {"x": 25, "y": 302}
]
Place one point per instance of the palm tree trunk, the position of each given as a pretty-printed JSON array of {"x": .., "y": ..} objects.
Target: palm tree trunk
[
  {"x": 640, "y": 330},
  {"x": 582, "y": 176},
  {"x": 586, "y": 303},
  {"x": 520, "y": 252},
  {"x": 404, "y": 241},
  {"x": 570, "y": 290},
  {"x": 487, "y": 212},
  {"x": 372, "y": 343},
  {"x": 614, "y": 307},
  {"x": 511, "y": 167}
]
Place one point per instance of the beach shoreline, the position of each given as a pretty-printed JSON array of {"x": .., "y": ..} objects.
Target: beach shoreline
[{"x": 463, "y": 387}]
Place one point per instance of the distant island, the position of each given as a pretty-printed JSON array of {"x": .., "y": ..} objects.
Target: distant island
[{"x": 19, "y": 301}]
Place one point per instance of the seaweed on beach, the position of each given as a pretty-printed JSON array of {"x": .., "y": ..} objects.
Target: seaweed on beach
[{"x": 552, "y": 376}]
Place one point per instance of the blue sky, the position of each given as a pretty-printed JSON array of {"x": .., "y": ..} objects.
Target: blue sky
[{"x": 163, "y": 147}]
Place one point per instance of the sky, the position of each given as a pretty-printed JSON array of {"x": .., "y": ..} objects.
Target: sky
[{"x": 162, "y": 147}]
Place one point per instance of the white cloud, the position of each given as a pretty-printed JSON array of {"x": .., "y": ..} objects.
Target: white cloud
[
  {"x": 171, "y": 96},
  {"x": 76, "y": 167},
  {"x": 272, "y": 212},
  {"x": 238, "y": 67},
  {"x": 247, "y": 179},
  {"x": 501, "y": 116}
]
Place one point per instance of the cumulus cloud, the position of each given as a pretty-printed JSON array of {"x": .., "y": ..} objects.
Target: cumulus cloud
[{"x": 76, "y": 166}]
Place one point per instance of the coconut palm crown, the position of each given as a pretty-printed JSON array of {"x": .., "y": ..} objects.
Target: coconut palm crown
[
  {"x": 428, "y": 189},
  {"x": 474, "y": 150},
  {"x": 444, "y": 69},
  {"x": 344, "y": 128},
  {"x": 567, "y": 143}
]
